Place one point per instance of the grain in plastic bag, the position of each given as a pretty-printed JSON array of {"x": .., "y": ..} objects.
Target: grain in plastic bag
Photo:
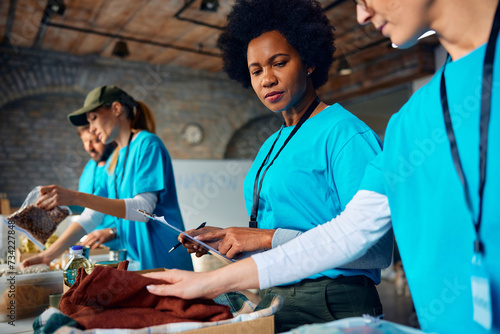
[{"x": 38, "y": 224}]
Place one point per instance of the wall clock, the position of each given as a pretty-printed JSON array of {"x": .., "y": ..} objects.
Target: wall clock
[{"x": 192, "y": 133}]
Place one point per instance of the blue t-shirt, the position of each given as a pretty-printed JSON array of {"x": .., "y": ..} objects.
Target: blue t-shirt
[
  {"x": 149, "y": 169},
  {"x": 92, "y": 176},
  {"x": 431, "y": 222},
  {"x": 315, "y": 176}
]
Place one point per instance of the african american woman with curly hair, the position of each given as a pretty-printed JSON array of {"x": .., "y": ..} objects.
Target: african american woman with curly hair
[{"x": 307, "y": 171}]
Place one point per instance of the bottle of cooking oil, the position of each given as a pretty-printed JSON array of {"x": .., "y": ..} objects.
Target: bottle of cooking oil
[{"x": 76, "y": 261}]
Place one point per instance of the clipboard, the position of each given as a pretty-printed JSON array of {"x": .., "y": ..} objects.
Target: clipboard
[{"x": 177, "y": 231}]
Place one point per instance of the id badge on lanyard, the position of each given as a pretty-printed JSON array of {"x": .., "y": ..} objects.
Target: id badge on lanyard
[
  {"x": 480, "y": 281},
  {"x": 481, "y": 292}
]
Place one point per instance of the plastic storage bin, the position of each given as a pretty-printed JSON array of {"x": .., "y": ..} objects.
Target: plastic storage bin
[
  {"x": 364, "y": 325},
  {"x": 26, "y": 295}
]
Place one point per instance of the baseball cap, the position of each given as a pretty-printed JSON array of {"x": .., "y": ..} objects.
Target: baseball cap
[{"x": 97, "y": 98}]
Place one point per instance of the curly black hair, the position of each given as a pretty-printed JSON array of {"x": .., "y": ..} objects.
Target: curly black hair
[{"x": 302, "y": 22}]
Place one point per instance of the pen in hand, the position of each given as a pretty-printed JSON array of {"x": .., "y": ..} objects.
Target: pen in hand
[{"x": 202, "y": 225}]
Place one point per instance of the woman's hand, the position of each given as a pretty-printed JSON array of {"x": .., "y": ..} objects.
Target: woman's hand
[
  {"x": 234, "y": 240},
  {"x": 96, "y": 238},
  {"x": 238, "y": 276},
  {"x": 52, "y": 196},
  {"x": 193, "y": 248},
  {"x": 36, "y": 259},
  {"x": 184, "y": 284}
]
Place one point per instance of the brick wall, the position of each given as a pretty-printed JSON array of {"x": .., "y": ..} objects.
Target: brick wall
[
  {"x": 39, "y": 146},
  {"x": 38, "y": 89}
]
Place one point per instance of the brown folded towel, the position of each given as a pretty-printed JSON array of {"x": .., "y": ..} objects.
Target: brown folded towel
[{"x": 111, "y": 298}]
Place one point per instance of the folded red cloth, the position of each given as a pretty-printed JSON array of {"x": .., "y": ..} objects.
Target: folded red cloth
[{"x": 111, "y": 298}]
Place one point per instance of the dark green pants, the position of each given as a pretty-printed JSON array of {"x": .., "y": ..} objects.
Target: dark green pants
[{"x": 325, "y": 299}]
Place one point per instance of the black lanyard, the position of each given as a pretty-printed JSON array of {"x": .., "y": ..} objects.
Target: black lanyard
[
  {"x": 483, "y": 128},
  {"x": 124, "y": 164},
  {"x": 257, "y": 187},
  {"x": 93, "y": 178}
]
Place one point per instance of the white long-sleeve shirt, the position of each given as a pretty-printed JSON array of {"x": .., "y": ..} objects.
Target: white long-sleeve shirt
[
  {"x": 90, "y": 219},
  {"x": 365, "y": 220}
]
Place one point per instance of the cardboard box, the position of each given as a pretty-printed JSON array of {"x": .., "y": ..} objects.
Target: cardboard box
[
  {"x": 20, "y": 256},
  {"x": 5, "y": 207},
  {"x": 101, "y": 250},
  {"x": 258, "y": 326},
  {"x": 150, "y": 271}
]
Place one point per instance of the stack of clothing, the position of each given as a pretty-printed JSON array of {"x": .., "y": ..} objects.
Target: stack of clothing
[
  {"x": 243, "y": 310},
  {"x": 116, "y": 298}
]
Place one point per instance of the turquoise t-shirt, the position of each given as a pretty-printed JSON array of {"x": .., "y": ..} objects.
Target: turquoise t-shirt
[
  {"x": 149, "y": 169},
  {"x": 315, "y": 176},
  {"x": 431, "y": 222},
  {"x": 92, "y": 176}
]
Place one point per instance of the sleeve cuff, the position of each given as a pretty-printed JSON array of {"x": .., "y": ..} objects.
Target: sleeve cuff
[
  {"x": 143, "y": 201},
  {"x": 89, "y": 219},
  {"x": 282, "y": 236}
]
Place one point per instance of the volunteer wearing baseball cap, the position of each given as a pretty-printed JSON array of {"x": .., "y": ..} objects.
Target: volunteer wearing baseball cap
[{"x": 140, "y": 177}]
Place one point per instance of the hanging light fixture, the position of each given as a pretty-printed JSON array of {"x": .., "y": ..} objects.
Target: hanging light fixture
[
  {"x": 120, "y": 49},
  {"x": 343, "y": 67},
  {"x": 209, "y": 5},
  {"x": 56, "y": 7}
]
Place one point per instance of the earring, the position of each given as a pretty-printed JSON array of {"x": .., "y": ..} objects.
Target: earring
[{"x": 308, "y": 73}]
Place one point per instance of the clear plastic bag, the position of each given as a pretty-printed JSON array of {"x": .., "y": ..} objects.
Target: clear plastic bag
[{"x": 36, "y": 223}]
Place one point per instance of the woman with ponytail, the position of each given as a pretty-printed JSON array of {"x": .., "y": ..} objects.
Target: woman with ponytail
[{"x": 140, "y": 177}]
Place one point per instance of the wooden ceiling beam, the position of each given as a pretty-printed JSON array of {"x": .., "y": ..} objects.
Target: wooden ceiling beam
[
  {"x": 383, "y": 71},
  {"x": 10, "y": 20}
]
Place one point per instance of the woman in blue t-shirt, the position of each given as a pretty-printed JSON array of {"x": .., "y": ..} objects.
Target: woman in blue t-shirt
[
  {"x": 307, "y": 171},
  {"x": 141, "y": 177},
  {"x": 432, "y": 183}
]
